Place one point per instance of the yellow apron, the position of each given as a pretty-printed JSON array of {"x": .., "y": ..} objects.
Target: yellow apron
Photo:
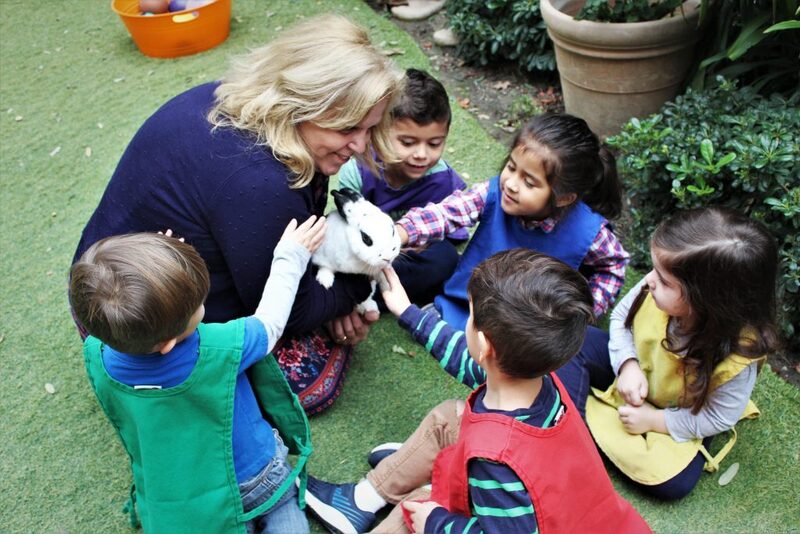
[{"x": 653, "y": 458}]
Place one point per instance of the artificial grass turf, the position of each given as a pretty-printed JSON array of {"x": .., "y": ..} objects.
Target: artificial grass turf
[{"x": 74, "y": 89}]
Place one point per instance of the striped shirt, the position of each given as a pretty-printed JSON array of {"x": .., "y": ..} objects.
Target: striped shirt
[
  {"x": 498, "y": 499},
  {"x": 606, "y": 258}
]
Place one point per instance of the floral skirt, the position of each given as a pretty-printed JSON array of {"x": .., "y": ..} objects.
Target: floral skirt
[{"x": 315, "y": 368}]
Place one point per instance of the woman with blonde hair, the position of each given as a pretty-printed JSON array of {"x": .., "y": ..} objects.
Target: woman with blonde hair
[{"x": 226, "y": 165}]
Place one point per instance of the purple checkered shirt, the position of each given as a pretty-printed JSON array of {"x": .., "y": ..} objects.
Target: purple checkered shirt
[{"x": 606, "y": 256}]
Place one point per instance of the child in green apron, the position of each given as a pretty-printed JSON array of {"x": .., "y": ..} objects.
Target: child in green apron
[
  {"x": 203, "y": 410},
  {"x": 683, "y": 351}
]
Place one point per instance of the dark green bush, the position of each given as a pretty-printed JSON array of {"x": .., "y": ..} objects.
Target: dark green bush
[
  {"x": 626, "y": 10},
  {"x": 724, "y": 146},
  {"x": 502, "y": 30}
]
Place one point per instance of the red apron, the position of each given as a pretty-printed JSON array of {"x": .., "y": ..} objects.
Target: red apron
[{"x": 559, "y": 466}]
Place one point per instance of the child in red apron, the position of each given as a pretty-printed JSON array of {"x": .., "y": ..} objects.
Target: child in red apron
[{"x": 516, "y": 457}]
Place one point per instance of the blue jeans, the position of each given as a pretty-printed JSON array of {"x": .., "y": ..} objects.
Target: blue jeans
[
  {"x": 285, "y": 517},
  {"x": 591, "y": 367}
]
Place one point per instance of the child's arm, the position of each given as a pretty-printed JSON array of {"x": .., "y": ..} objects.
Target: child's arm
[
  {"x": 435, "y": 221},
  {"x": 607, "y": 259},
  {"x": 721, "y": 411},
  {"x": 445, "y": 343},
  {"x": 499, "y": 499},
  {"x": 631, "y": 383},
  {"x": 288, "y": 265}
]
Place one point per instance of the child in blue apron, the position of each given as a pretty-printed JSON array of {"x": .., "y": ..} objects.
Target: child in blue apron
[{"x": 556, "y": 193}]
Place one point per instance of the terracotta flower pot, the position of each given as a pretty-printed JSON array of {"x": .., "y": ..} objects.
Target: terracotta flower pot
[{"x": 611, "y": 72}]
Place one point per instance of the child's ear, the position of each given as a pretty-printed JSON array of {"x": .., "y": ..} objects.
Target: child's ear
[
  {"x": 485, "y": 347},
  {"x": 166, "y": 346},
  {"x": 566, "y": 200}
]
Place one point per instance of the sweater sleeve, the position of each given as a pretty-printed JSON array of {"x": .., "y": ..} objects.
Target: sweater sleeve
[
  {"x": 433, "y": 222},
  {"x": 349, "y": 176},
  {"x": 445, "y": 343},
  {"x": 499, "y": 501},
  {"x": 721, "y": 411},
  {"x": 608, "y": 260},
  {"x": 620, "y": 343},
  {"x": 247, "y": 217},
  {"x": 288, "y": 265}
]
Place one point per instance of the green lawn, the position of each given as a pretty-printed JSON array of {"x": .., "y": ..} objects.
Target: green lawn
[{"x": 74, "y": 89}]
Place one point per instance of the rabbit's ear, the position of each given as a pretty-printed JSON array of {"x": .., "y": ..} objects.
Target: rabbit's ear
[{"x": 342, "y": 197}]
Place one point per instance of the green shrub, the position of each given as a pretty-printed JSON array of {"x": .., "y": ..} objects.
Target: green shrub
[
  {"x": 502, "y": 30},
  {"x": 724, "y": 146},
  {"x": 626, "y": 10}
]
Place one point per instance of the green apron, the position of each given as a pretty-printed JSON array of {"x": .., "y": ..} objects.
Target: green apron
[{"x": 179, "y": 439}]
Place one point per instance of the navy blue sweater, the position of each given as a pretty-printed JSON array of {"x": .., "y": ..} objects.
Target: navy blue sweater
[{"x": 228, "y": 198}]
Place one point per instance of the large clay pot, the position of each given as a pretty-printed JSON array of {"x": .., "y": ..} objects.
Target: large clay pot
[{"x": 611, "y": 72}]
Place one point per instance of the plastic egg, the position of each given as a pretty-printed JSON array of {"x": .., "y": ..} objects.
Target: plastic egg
[{"x": 153, "y": 6}]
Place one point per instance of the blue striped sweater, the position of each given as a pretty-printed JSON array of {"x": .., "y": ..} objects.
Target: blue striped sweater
[{"x": 498, "y": 499}]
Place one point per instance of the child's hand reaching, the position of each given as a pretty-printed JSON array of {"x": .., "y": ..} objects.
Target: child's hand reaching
[
  {"x": 641, "y": 419},
  {"x": 631, "y": 383},
  {"x": 310, "y": 234},
  {"x": 395, "y": 297},
  {"x": 419, "y": 512}
]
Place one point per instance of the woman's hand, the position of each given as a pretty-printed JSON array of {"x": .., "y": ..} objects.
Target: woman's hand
[
  {"x": 419, "y": 512},
  {"x": 352, "y": 329},
  {"x": 631, "y": 383},
  {"x": 641, "y": 419},
  {"x": 310, "y": 234},
  {"x": 395, "y": 298}
]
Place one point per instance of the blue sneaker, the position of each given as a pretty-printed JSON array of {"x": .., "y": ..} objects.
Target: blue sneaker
[
  {"x": 380, "y": 452},
  {"x": 335, "y": 507}
]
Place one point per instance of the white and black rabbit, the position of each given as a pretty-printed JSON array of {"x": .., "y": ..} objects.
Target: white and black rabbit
[{"x": 360, "y": 239}]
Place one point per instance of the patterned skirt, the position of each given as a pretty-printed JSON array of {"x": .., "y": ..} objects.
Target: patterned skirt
[{"x": 315, "y": 367}]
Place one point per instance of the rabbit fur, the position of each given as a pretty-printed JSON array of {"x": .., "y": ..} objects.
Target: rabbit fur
[{"x": 360, "y": 239}]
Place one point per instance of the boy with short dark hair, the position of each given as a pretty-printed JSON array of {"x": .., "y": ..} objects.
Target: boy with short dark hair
[
  {"x": 421, "y": 122},
  {"x": 516, "y": 457},
  {"x": 204, "y": 458}
]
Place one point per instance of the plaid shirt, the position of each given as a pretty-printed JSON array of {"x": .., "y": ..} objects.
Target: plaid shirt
[{"x": 606, "y": 257}]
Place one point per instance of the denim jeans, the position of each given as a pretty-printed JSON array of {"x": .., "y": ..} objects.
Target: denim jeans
[{"x": 285, "y": 517}]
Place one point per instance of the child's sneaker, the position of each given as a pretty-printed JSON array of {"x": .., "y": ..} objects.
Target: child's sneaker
[
  {"x": 380, "y": 452},
  {"x": 335, "y": 507}
]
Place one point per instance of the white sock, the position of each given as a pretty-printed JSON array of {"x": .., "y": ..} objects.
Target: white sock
[{"x": 367, "y": 498}]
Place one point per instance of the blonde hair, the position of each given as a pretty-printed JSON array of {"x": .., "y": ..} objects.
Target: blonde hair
[{"x": 323, "y": 70}]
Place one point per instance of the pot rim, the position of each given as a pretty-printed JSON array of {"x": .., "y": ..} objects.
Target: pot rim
[{"x": 674, "y": 28}]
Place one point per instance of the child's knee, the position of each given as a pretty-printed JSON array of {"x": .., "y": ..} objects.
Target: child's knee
[{"x": 447, "y": 414}]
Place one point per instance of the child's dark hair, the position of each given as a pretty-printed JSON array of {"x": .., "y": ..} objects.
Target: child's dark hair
[
  {"x": 727, "y": 265},
  {"x": 424, "y": 100},
  {"x": 533, "y": 308},
  {"x": 135, "y": 291},
  {"x": 575, "y": 162}
]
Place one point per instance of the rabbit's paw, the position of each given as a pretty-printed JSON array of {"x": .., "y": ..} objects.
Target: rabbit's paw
[
  {"x": 366, "y": 306},
  {"x": 325, "y": 277}
]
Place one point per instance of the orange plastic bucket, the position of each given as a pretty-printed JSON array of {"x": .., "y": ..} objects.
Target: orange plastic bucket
[{"x": 179, "y": 33}]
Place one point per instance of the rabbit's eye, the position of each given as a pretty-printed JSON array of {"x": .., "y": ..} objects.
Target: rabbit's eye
[{"x": 366, "y": 239}]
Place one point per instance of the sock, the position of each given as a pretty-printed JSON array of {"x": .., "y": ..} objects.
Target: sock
[{"x": 367, "y": 498}]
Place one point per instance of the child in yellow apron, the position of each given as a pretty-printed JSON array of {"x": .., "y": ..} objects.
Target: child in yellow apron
[{"x": 683, "y": 351}]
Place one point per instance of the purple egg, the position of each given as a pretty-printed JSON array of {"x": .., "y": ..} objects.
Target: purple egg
[{"x": 177, "y": 5}]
